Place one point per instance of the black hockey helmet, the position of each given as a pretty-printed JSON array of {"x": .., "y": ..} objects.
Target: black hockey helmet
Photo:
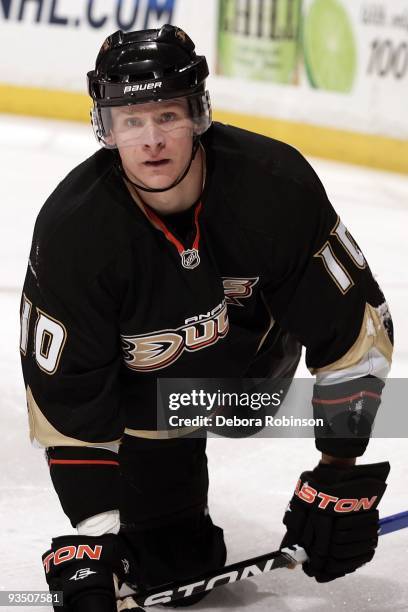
[{"x": 146, "y": 65}]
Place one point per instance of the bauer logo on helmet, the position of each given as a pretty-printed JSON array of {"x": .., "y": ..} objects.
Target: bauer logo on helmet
[{"x": 142, "y": 86}]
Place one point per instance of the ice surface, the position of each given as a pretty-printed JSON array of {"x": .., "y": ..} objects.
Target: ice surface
[{"x": 251, "y": 480}]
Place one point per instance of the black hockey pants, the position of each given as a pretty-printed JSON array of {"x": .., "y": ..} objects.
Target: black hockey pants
[{"x": 164, "y": 516}]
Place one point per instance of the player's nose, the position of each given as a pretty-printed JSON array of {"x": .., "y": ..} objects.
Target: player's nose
[{"x": 153, "y": 137}]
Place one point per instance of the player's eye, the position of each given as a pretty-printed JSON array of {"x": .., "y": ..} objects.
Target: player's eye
[
  {"x": 132, "y": 122},
  {"x": 168, "y": 117}
]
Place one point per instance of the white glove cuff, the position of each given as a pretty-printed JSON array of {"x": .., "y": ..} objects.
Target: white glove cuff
[{"x": 99, "y": 524}]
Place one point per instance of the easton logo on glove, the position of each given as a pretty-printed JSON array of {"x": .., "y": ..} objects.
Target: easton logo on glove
[
  {"x": 67, "y": 553},
  {"x": 82, "y": 573},
  {"x": 308, "y": 494}
]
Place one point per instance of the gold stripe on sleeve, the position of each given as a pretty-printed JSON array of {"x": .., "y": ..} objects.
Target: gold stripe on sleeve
[
  {"x": 372, "y": 335},
  {"x": 161, "y": 434},
  {"x": 46, "y": 434}
]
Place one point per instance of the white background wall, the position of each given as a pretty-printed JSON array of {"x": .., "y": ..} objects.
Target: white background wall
[{"x": 53, "y": 43}]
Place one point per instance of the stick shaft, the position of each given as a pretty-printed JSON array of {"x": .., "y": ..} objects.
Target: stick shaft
[
  {"x": 245, "y": 569},
  {"x": 229, "y": 573},
  {"x": 394, "y": 522}
]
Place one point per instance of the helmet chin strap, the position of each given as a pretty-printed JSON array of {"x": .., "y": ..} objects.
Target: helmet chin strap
[{"x": 196, "y": 143}]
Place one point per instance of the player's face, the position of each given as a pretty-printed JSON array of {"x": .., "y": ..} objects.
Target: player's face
[{"x": 154, "y": 140}]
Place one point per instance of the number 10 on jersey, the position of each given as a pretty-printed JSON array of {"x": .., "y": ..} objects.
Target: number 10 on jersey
[
  {"x": 333, "y": 266},
  {"x": 49, "y": 337}
]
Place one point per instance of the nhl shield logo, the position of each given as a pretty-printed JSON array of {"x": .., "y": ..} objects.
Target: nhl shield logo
[{"x": 190, "y": 259}]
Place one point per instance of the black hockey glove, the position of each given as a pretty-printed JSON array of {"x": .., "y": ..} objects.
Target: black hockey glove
[
  {"x": 333, "y": 516},
  {"x": 83, "y": 568}
]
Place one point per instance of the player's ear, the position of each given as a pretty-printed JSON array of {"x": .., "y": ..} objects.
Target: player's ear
[
  {"x": 108, "y": 120},
  {"x": 110, "y": 139}
]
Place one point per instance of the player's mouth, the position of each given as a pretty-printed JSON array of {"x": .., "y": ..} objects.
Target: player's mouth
[{"x": 158, "y": 163}]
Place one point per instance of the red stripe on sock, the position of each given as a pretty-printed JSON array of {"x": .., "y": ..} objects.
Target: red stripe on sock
[
  {"x": 83, "y": 462},
  {"x": 350, "y": 398}
]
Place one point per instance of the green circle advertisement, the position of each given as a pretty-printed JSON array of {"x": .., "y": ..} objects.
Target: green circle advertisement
[
  {"x": 329, "y": 47},
  {"x": 271, "y": 39}
]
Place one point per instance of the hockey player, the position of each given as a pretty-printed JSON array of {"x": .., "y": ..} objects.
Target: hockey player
[{"x": 186, "y": 248}]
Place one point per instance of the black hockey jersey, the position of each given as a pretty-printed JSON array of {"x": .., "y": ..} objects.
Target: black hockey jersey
[{"x": 112, "y": 301}]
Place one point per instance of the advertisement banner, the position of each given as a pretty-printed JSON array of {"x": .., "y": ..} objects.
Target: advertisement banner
[
  {"x": 329, "y": 76},
  {"x": 339, "y": 63},
  {"x": 92, "y": 14},
  {"x": 260, "y": 42},
  {"x": 58, "y": 40}
]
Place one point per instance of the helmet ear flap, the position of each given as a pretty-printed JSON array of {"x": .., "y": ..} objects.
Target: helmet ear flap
[
  {"x": 101, "y": 120},
  {"x": 97, "y": 125}
]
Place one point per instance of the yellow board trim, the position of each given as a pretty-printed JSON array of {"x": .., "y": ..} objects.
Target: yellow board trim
[
  {"x": 351, "y": 147},
  {"x": 50, "y": 103},
  {"x": 340, "y": 145}
]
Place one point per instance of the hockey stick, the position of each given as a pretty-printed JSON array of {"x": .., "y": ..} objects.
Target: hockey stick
[
  {"x": 256, "y": 566},
  {"x": 230, "y": 573},
  {"x": 394, "y": 522}
]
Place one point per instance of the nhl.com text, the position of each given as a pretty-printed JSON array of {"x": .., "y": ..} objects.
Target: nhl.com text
[{"x": 216, "y": 401}]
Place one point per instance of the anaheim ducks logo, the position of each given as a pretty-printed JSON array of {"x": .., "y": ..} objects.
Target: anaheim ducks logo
[
  {"x": 160, "y": 349},
  {"x": 106, "y": 45},
  {"x": 181, "y": 35},
  {"x": 238, "y": 288}
]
